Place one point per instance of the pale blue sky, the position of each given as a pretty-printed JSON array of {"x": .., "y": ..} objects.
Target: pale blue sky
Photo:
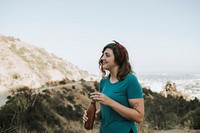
[{"x": 160, "y": 36}]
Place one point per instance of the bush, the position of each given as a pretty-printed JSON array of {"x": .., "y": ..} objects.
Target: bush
[
  {"x": 167, "y": 113},
  {"x": 192, "y": 119}
]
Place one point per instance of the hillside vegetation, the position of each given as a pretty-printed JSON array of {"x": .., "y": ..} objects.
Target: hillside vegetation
[{"x": 57, "y": 107}]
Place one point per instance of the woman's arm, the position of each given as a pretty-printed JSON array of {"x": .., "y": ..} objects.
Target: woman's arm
[{"x": 135, "y": 113}]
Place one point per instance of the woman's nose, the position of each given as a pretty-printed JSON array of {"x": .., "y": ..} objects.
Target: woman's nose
[{"x": 103, "y": 57}]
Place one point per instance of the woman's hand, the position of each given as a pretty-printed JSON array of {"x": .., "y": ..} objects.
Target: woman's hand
[
  {"x": 101, "y": 98},
  {"x": 85, "y": 118}
]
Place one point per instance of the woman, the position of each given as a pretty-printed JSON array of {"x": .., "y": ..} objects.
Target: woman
[{"x": 120, "y": 97}]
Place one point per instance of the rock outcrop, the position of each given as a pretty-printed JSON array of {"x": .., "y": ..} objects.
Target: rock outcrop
[{"x": 170, "y": 89}]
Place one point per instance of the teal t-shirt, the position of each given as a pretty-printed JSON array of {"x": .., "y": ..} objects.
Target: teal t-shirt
[{"x": 121, "y": 91}]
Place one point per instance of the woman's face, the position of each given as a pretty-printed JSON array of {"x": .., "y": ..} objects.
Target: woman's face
[{"x": 108, "y": 59}]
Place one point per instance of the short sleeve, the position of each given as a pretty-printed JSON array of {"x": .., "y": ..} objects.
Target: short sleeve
[{"x": 134, "y": 88}]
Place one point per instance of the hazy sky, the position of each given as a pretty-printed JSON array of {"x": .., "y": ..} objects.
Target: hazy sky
[{"x": 160, "y": 35}]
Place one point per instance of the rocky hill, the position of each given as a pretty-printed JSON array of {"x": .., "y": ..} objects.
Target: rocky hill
[{"x": 22, "y": 64}]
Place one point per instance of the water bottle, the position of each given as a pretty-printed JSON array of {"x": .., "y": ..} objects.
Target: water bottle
[{"x": 91, "y": 115}]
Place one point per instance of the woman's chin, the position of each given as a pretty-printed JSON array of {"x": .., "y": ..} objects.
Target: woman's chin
[{"x": 104, "y": 67}]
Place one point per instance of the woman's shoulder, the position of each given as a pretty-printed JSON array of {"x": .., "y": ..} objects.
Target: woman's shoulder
[
  {"x": 104, "y": 79},
  {"x": 131, "y": 76}
]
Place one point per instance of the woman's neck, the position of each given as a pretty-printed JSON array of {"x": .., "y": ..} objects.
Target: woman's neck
[{"x": 113, "y": 75}]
